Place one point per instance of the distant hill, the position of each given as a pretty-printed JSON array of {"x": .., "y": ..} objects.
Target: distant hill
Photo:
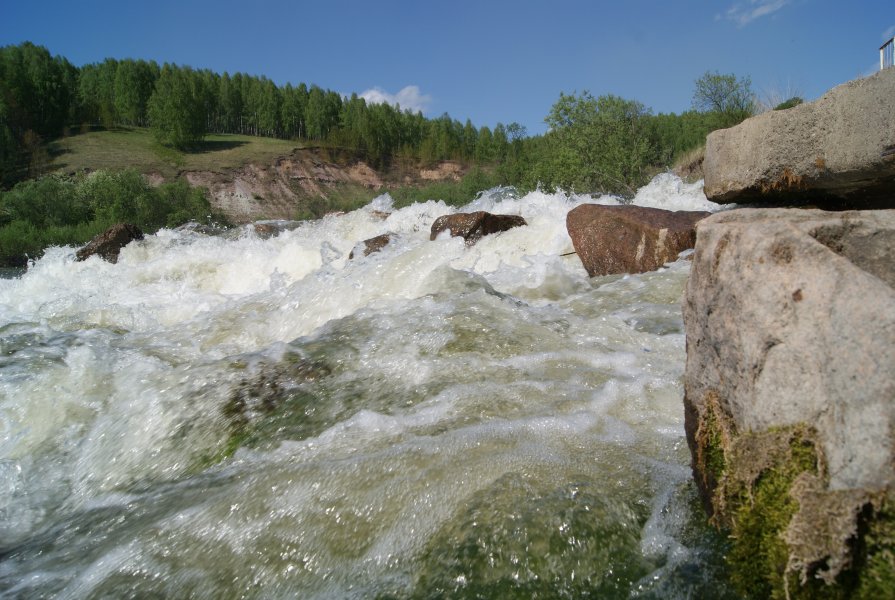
[{"x": 249, "y": 178}]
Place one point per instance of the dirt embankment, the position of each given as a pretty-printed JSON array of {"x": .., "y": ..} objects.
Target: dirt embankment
[{"x": 294, "y": 184}]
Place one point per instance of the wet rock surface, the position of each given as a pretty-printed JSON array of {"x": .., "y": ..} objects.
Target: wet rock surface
[
  {"x": 629, "y": 239},
  {"x": 374, "y": 244},
  {"x": 473, "y": 226},
  {"x": 109, "y": 243}
]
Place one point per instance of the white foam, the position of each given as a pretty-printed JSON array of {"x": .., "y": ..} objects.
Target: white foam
[
  {"x": 473, "y": 362},
  {"x": 670, "y": 192}
]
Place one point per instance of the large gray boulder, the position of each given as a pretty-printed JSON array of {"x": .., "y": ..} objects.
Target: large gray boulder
[
  {"x": 790, "y": 383},
  {"x": 836, "y": 152},
  {"x": 629, "y": 239}
]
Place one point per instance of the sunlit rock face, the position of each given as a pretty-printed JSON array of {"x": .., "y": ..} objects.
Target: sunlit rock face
[{"x": 837, "y": 152}]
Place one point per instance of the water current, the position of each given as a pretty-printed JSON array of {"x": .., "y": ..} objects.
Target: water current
[{"x": 226, "y": 416}]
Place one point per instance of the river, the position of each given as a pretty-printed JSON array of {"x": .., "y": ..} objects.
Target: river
[{"x": 238, "y": 417}]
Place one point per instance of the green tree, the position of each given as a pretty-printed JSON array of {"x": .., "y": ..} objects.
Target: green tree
[
  {"x": 134, "y": 84},
  {"x": 177, "y": 107},
  {"x": 725, "y": 95},
  {"x": 597, "y": 144}
]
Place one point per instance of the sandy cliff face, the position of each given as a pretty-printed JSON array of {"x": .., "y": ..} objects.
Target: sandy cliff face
[{"x": 283, "y": 189}]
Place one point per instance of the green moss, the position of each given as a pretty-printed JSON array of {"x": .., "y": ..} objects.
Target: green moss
[
  {"x": 876, "y": 563},
  {"x": 715, "y": 461},
  {"x": 762, "y": 509},
  {"x": 792, "y": 537}
]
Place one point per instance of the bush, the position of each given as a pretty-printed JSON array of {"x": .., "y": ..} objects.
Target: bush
[
  {"x": 794, "y": 101},
  {"x": 52, "y": 211}
]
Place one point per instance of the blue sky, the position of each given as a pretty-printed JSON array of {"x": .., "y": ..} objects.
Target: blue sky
[{"x": 488, "y": 61}]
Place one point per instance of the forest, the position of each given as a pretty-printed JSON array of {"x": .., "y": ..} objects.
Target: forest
[{"x": 604, "y": 144}]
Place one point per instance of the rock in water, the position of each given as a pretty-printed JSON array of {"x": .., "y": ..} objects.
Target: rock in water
[
  {"x": 110, "y": 242},
  {"x": 837, "y": 152},
  {"x": 790, "y": 389},
  {"x": 473, "y": 226},
  {"x": 374, "y": 244},
  {"x": 629, "y": 239}
]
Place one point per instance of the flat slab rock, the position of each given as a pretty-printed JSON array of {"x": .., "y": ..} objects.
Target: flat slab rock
[
  {"x": 109, "y": 243},
  {"x": 790, "y": 319},
  {"x": 837, "y": 152},
  {"x": 629, "y": 239},
  {"x": 473, "y": 226}
]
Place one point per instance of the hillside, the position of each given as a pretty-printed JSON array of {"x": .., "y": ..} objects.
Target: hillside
[{"x": 249, "y": 178}]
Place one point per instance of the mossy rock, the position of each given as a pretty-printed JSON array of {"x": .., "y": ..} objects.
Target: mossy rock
[{"x": 791, "y": 536}]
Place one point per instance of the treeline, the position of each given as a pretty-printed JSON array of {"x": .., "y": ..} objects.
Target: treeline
[
  {"x": 44, "y": 96},
  {"x": 603, "y": 144}
]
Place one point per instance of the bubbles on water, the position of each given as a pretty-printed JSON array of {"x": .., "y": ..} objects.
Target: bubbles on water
[
  {"x": 222, "y": 413},
  {"x": 521, "y": 538}
]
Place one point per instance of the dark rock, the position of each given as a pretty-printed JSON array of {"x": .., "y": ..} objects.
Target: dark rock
[
  {"x": 837, "y": 152},
  {"x": 630, "y": 239},
  {"x": 268, "y": 229},
  {"x": 110, "y": 242},
  {"x": 473, "y": 226},
  {"x": 374, "y": 244}
]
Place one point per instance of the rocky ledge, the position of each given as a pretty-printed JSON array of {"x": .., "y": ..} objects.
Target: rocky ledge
[
  {"x": 837, "y": 152},
  {"x": 790, "y": 322}
]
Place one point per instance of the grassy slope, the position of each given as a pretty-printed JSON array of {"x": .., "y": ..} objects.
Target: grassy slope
[{"x": 136, "y": 148}]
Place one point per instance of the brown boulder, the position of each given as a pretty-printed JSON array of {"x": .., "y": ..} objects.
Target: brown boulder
[
  {"x": 630, "y": 239},
  {"x": 374, "y": 244},
  {"x": 269, "y": 229},
  {"x": 110, "y": 242},
  {"x": 472, "y": 226}
]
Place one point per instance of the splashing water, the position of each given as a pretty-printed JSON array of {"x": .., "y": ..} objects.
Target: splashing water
[{"x": 221, "y": 417}]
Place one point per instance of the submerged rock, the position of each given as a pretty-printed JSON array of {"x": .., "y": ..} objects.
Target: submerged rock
[
  {"x": 473, "y": 226},
  {"x": 836, "y": 152},
  {"x": 268, "y": 229},
  {"x": 630, "y": 239},
  {"x": 374, "y": 244},
  {"x": 109, "y": 243},
  {"x": 789, "y": 388}
]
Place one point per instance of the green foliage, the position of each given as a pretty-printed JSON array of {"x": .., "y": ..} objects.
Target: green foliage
[
  {"x": 730, "y": 98},
  {"x": 605, "y": 144},
  {"x": 177, "y": 108},
  {"x": 794, "y": 101},
  {"x": 596, "y": 145},
  {"x": 133, "y": 86},
  {"x": 46, "y": 202},
  {"x": 53, "y": 211}
]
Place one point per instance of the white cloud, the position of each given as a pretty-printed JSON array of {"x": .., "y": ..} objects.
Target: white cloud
[
  {"x": 744, "y": 13},
  {"x": 409, "y": 97}
]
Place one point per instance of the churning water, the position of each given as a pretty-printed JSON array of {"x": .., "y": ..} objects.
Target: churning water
[{"x": 229, "y": 416}]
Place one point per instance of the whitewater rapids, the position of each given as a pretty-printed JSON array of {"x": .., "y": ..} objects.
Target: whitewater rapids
[{"x": 231, "y": 416}]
